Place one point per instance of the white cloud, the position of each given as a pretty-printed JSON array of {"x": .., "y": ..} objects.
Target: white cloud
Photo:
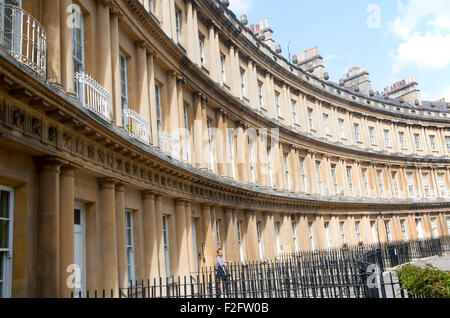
[
  {"x": 424, "y": 30},
  {"x": 426, "y": 52},
  {"x": 241, "y": 6}
]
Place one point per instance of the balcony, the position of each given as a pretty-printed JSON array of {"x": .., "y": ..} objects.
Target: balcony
[
  {"x": 170, "y": 145},
  {"x": 92, "y": 95},
  {"x": 136, "y": 126},
  {"x": 24, "y": 38}
]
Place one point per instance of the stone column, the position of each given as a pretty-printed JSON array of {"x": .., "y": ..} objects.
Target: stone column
[
  {"x": 183, "y": 247},
  {"x": 66, "y": 225},
  {"x": 208, "y": 236},
  {"x": 220, "y": 139},
  {"x": 152, "y": 97},
  {"x": 251, "y": 236},
  {"x": 190, "y": 237},
  {"x": 181, "y": 125},
  {"x": 115, "y": 99},
  {"x": 231, "y": 245},
  {"x": 121, "y": 236},
  {"x": 242, "y": 154},
  {"x": 173, "y": 104},
  {"x": 142, "y": 81},
  {"x": 108, "y": 227},
  {"x": 48, "y": 228},
  {"x": 159, "y": 236},
  {"x": 67, "y": 76},
  {"x": 198, "y": 131},
  {"x": 150, "y": 241},
  {"x": 103, "y": 45},
  {"x": 269, "y": 236},
  {"x": 51, "y": 20}
]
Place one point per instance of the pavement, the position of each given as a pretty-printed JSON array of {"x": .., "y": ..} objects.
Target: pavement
[{"x": 442, "y": 263}]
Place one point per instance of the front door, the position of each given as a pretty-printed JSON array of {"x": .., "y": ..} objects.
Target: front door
[
  {"x": 6, "y": 240},
  {"x": 80, "y": 248}
]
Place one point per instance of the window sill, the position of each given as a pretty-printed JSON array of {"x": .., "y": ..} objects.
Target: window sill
[
  {"x": 182, "y": 47},
  {"x": 226, "y": 86},
  {"x": 313, "y": 130},
  {"x": 329, "y": 135},
  {"x": 280, "y": 117},
  {"x": 205, "y": 69},
  {"x": 297, "y": 125},
  {"x": 263, "y": 108}
]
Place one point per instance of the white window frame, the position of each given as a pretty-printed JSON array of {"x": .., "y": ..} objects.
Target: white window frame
[
  {"x": 277, "y": 103},
  {"x": 417, "y": 142},
  {"x": 178, "y": 24},
  {"x": 358, "y": 231},
  {"x": 434, "y": 228},
  {"x": 325, "y": 123},
  {"x": 350, "y": 180},
  {"x": 277, "y": 238},
  {"x": 303, "y": 174},
  {"x": 387, "y": 138},
  {"x": 159, "y": 123},
  {"x": 447, "y": 142},
  {"x": 129, "y": 230},
  {"x": 223, "y": 67},
  {"x": 342, "y": 230},
  {"x": 341, "y": 124},
  {"x": 311, "y": 235},
  {"x": 232, "y": 157},
  {"x": 286, "y": 172},
  {"x": 403, "y": 228},
  {"x": 188, "y": 134},
  {"x": 327, "y": 234},
  {"x": 218, "y": 234},
  {"x": 211, "y": 150},
  {"x": 395, "y": 183},
  {"x": 260, "y": 94},
  {"x": 441, "y": 184},
  {"x": 373, "y": 140},
  {"x": 294, "y": 236},
  {"x": 334, "y": 179},
  {"x": 77, "y": 14},
  {"x": 426, "y": 184},
  {"x": 294, "y": 111},
  {"x": 260, "y": 244},
  {"x": 201, "y": 41},
  {"x": 401, "y": 137},
  {"x": 123, "y": 81},
  {"x": 166, "y": 244},
  {"x": 319, "y": 178},
  {"x": 365, "y": 182},
  {"x": 8, "y": 252},
  {"x": 252, "y": 160},
  {"x": 411, "y": 187},
  {"x": 357, "y": 132},
  {"x": 241, "y": 249},
  {"x": 433, "y": 142},
  {"x": 310, "y": 118},
  {"x": 243, "y": 83}
]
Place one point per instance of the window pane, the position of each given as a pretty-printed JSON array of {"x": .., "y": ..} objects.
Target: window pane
[
  {"x": 4, "y": 234},
  {"x": 4, "y": 204}
]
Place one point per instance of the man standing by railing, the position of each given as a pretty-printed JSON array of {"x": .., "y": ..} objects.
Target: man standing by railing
[{"x": 222, "y": 273}]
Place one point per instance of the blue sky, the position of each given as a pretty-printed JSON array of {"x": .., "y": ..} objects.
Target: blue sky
[{"x": 393, "y": 38}]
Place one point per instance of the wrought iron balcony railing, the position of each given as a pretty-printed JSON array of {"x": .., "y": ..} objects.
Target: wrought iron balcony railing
[
  {"x": 170, "y": 145},
  {"x": 136, "y": 126},
  {"x": 24, "y": 38},
  {"x": 92, "y": 95}
]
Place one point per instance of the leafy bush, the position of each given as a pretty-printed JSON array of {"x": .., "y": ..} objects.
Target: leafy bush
[{"x": 428, "y": 282}]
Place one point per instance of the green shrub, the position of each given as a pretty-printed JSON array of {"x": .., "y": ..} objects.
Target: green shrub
[{"x": 428, "y": 282}]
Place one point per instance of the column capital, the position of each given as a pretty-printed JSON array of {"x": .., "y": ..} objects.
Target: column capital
[
  {"x": 68, "y": 170},
  {"x": 107, "y": 183},
  {"x": 120, "y": 187},
  {"x": 180, "y": 202},
  {"x": 148, "y": 195},
  {"x": 50, "y": 163},
  {"x": 141, "y": 44}
]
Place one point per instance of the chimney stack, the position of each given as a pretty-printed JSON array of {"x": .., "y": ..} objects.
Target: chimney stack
[
  {"x": 311, "y": 61},
  {"x": 268, "y": 33},
  {"x": 358, "y": 78},
  {"x": 407, "y": 89}
]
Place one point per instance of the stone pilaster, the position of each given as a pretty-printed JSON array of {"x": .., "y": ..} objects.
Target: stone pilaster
[{"x": 66, "y": 225}]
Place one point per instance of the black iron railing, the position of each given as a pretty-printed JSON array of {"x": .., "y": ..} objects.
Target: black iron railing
[{"x": 354, "y": 272}]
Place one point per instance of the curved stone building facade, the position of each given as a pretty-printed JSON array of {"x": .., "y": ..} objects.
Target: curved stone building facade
[{"x": 138, "y": 136}]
